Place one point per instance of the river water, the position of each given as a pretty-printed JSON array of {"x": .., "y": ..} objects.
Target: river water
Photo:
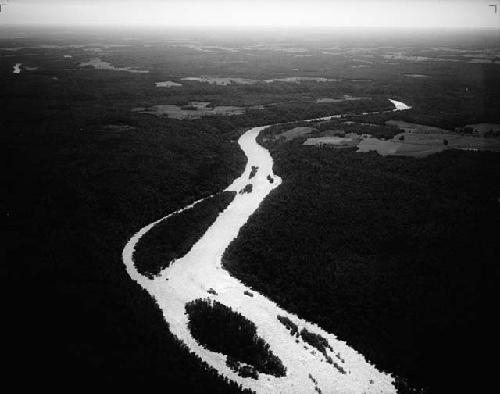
[{"x": 190, "y": 277}]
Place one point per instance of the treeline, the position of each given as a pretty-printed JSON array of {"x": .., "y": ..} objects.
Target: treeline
[
  {"x": 360, "y": 127},
  {"x": 174, "y": 237},
  {"x": 337, "y": 126}
]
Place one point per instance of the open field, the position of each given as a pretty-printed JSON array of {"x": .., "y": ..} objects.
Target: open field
[{"x": 416, "y": 140}]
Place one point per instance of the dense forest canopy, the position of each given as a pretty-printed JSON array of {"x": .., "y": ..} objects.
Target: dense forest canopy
[{"x": 394, "y": 255}]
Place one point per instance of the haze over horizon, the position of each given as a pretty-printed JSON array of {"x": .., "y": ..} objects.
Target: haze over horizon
[{"x": 473, "y": 14}]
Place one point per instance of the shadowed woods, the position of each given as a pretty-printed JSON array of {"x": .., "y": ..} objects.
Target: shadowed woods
[{"x": 395, "y": 255}]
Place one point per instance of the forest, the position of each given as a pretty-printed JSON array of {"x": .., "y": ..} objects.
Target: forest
[
  {"x": 396, "y": 256},
  {"x": 80, "y": 179},
  {"x": 393, "y": 255}
]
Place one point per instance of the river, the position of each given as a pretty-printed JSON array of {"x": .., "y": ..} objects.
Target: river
[{"x": 190, "y": 277}]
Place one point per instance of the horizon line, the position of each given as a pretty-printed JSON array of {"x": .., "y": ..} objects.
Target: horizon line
[{"x": 245, "y": 27}]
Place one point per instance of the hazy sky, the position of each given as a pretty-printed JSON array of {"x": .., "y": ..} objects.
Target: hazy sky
[{"x": 268, "y": 13}]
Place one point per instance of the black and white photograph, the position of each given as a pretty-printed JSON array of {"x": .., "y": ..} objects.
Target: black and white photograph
[{"x": 250, "y": 196}]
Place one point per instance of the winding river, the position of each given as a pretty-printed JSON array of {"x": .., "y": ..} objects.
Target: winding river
[{"x": 190, "y": 277}]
